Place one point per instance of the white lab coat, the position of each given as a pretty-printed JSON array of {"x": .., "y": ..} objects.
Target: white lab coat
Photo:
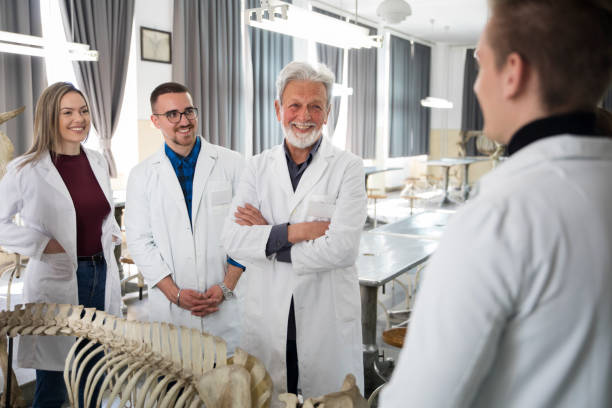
[
  {"x": 38, "y": 194},
  {"x": 161, "y": 240},
  {"x": 322, "y": 277},
  {"x": 515, "y": 308}
]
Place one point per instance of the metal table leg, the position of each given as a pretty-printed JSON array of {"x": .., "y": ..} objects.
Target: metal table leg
[
  {"x": 465, "y": 188},
  {"x": 8, "y": 372},
  {"x": 446, "y": 200},
  {"x": 369, "y": 297}
]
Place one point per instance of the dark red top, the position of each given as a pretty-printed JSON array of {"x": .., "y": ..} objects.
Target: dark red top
[{"x": 88, "y": 198}]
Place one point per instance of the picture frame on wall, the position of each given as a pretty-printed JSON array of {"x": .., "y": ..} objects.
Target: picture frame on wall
[{"x": 155, "y": 45}]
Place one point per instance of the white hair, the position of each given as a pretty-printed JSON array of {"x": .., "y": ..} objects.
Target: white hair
[{"x": 303, "y": 71}]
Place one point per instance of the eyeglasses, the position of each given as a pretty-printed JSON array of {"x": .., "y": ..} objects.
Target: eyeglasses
[{"x": 175, "y": 116}]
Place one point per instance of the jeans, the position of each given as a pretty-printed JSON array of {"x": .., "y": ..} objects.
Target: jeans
[
  {"x": 50, "y": 388},
  {"x": 91, "y": 277}
]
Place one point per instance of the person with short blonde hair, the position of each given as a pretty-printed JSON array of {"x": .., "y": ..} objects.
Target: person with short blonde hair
[{"x": 515, "y": 309}]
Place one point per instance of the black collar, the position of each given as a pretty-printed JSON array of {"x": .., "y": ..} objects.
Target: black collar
[{"x": 574, "y": 123}]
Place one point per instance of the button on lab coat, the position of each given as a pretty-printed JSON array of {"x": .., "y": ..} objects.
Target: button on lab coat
[
  {"x": 38, "y": 193},
  {"x": 162, "y": 240},
  {"x": 322, "y": 278}
]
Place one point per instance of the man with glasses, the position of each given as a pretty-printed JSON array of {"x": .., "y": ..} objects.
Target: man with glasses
[{"x": 177, "y": 200}]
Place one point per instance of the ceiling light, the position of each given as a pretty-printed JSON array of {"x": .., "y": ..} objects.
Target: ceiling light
[
  {"x": 393, "y": 11},
  {"x": 341, "y": 90},
  {"x": 436, "y": 103},
  {"x": 297, "y": 22},
  {"x": 23, "y": 44}
]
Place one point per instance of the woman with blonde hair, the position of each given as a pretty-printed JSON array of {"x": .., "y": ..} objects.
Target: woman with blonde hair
[{"x": 62, "y": 194}]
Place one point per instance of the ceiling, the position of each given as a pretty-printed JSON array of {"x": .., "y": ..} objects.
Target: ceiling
[{"x": 446, "y": 21}]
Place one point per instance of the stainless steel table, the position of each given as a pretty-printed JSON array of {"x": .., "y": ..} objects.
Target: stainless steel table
[
  {"x": 447, "y": 163},
  {"x": 383, "y": 257},
  {"x": 428, "y": 224},
  {"x": 465, "y": 188},
  {"x": 369, "y": 170}
]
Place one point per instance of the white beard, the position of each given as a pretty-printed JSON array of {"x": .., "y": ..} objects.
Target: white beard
[{"x": 301, "y": 142}]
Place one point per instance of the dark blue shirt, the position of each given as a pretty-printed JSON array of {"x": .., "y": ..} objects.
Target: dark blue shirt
[{"x": 184, "y": 167}]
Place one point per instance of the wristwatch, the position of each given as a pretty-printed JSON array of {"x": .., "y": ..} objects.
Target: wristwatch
[{"x": 227, "y": 292}]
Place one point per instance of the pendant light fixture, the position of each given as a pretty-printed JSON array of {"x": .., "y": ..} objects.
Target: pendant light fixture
[{"x": 393, "y": 11}]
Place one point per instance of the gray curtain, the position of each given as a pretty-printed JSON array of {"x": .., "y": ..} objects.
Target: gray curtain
[
  {"x": 207, "y": 59},
  {"x": 606, "y": 103},
  {"x": 409, "y": 83},
  {"x": 22, "y": 78},
  {"x": 107, "y": 27},
  {"x": 362, "y": 77},
  {"x": 471, "y": 115},
  {"x": 270, "y": 52},
  {"x": 333, "y": 57}
]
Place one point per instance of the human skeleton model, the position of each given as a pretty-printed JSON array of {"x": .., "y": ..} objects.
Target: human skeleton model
[
  {"x": 7, "y": 151},
  {"x": 156, "y": 364},
  {"x": 6, "y": 147}
]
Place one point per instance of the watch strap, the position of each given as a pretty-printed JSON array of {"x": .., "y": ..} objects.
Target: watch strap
[{"x": 227, "y": 292}]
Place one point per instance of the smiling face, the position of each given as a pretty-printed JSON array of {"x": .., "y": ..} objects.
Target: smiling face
[
  {"x": 74, "y": 122},
  {"x": 180, "y": 137},
  {"x": 303, "y": 112}
]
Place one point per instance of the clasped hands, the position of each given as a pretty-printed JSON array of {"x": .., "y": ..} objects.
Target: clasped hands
[
  {"x": 201, "y": 304},
  {"x": 198, "y": 303},
  {"x": 301, "y": 231}
]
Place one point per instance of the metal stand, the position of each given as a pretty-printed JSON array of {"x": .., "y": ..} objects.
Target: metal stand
[
  {"x": 9, "y": 370},
  {"x": 446, "y": 201}
]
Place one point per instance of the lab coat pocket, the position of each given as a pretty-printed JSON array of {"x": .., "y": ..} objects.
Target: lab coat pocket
[
  {"x": 346, "y": 295},
  {"x": 59, "y": 267},
  {"x": 320, "y": 208},
  {"x": 219, "y": 195}
]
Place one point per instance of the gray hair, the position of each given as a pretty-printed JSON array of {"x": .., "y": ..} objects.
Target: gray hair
[{"x": 303, "y": 71}]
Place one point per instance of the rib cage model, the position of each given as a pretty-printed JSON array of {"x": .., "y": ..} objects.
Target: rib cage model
[
  {"x": 156, "y": 364},
  {"x": 146, "y": 363}
]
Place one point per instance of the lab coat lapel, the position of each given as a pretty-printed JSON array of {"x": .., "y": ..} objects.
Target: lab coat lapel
[
  {"x": 168, "y": 179},
  {"x": 281, "y": 171},
  {"x": 206, "y": 162},
  {"x": 99, "y": 168},
  {"x": 52, "y": 176},
  {"x": 67, "y": 224},
  {"x": 312, "y": 175}
]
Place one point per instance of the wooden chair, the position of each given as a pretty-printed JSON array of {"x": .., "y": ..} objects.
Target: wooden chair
[{"x": 372, "y": 195}]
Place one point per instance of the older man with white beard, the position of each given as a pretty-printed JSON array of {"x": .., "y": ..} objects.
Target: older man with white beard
[{"x": 297, "y": 220}]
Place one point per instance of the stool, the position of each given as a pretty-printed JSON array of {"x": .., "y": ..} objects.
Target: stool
[
  {"x": 376, "y": 197},
  {"x": 395, "y": 337},
  {"x": 138, "y": 276}
]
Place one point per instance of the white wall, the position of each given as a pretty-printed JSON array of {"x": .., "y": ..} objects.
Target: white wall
[
  {"x": 153, "y": 14},
  {"x": 142, "y": 78}
]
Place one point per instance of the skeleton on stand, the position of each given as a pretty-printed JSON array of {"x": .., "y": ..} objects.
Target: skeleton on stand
[{"x": 157, "y": 364}]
